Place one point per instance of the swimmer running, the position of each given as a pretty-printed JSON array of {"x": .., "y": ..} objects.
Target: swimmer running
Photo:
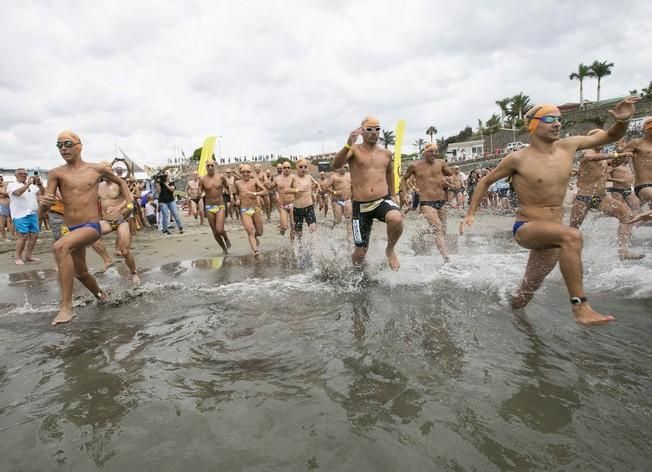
[{"x": 540, "y": 175}]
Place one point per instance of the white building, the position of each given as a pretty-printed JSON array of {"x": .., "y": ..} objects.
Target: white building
[{"x": 465, "y": 151}]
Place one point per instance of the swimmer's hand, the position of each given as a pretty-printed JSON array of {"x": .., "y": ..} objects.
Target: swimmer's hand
[
  {"x": 237, "y": 202},
  {"x": 622, "y": 157},
  {"x": 467, "y": 221},
  {"x": 624, "y": 110},
  {"x": 645, "y": 216},
  {"x": 353, "y": 137},
  {"x": 47, "y": 200}
]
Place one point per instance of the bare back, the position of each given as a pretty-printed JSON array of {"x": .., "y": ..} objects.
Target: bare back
[
  {"x": 642, "y": 160},
  {"x": 591, "y": 175}
]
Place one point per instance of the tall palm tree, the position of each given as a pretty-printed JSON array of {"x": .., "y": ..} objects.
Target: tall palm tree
[
  {"x": 419, "y": 144},
  {"x": 431, "y": 131},
  {"x": 600, "y": 70},
  {"x": 388, "y": 138},
  {"x": 520, "y": 106},
  {"x": 504, "y": 108},
  {"x": 583, "y": 71}
]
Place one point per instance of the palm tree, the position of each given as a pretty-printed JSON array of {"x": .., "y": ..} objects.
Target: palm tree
[
  {"x": 388, "y": 138},
  {"x": 504, "y": 108},
  {"x": 492, "y": 125},
  {"x": 582, "y": 73},
  {"x": 600, "y": 70},
  {"x": 431, "y": 131},
  {"x": 419, "y": 143},
  {"x": 519, "y": 106},
  {"x": 647, "y": 92}
]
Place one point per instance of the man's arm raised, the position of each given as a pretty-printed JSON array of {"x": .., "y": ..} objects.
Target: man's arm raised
[
  {"x": 505, "y": 168},
  {"x": 346, "y": 153},
  {"x": 621, "y": 113}
]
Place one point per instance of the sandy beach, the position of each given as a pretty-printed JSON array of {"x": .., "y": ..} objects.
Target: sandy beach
[{"x": 152, "y": 249}]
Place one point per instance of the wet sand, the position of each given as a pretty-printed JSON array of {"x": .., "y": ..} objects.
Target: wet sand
[{"x": 153, "y": 249}]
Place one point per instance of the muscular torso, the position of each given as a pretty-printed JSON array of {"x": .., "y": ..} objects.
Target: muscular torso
[
  {"x": 194, "y": 192},
  {"x": 304, "y": 184},
  {"x": 111, "y": 200},
  {"x": 342, "y": 185},
  {"x": 369, "y": 172},
  {"x": 243, "y": 187},
  {"x": 622, "y": 176},
  {"x": 591, "y": 176},
  {"x": 214, "y": 189},
  {"x": 642, "y": 160},
  {"x": 79, "y": 192},
  {"x": 283, "y": 183},
  {"x": 540, "y": 182},
  {"x": 429, "y": 179}
]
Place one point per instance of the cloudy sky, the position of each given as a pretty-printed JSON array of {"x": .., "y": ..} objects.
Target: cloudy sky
[{"x": 280, "y": 76}]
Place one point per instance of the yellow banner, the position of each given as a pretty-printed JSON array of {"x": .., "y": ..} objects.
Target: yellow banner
[
  {"x": 400, "y": 131},
  {"x": 206, "y": 154}
]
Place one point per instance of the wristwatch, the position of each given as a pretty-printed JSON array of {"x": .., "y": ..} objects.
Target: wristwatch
[{"x": 577, "y": 300}]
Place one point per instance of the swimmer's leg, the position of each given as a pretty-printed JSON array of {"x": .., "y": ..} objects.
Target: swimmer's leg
[
  {"x": 394, "y": 221},
  {"x": 432, "y": 217},
  {"x": 539, "y": 265}
]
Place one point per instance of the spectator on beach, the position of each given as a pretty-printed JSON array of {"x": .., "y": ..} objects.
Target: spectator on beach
[
  {"x": 167, "y": 204},
  {"x": 5, "y": 214},
  {"x": 23, "y": 204}
]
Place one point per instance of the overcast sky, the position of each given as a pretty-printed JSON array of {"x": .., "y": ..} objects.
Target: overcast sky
[{"x": 269, "y": 76}]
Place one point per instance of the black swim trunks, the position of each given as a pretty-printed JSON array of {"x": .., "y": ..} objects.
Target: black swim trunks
[
  {"x": 625, "y": 192},
  {"x": 300, "y": 214},
  {"x": 363, "y": 217},
  {"x": 593, "y": 201},
  {"x": 436, "y": 204},
  {"x": 638, "y": 188}
]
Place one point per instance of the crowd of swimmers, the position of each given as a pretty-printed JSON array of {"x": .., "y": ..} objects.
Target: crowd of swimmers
[{"x": 362, "y": 189}]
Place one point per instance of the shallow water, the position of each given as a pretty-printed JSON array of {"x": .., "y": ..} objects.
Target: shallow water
[{"x": 232, "y": 364}]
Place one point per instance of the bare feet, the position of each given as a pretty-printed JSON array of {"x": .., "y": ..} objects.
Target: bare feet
[
  {"x": 102, "y": 297},
  {"x": 135, "y": 279},
  {"x": 520, "y": 299},
  {"x": 630, "y": 256},
  {"x": 585, "y": 315},
  {"x": 256, "y": 255},
  {"x": 33, "y": 259},
  {"x": 392, "y": 259},
  {"x": 107, "y": 264},
  {"x": 19, "y": 261},
  {"x": 228, "y": 242},
  {"x": 64, "y": 316}
]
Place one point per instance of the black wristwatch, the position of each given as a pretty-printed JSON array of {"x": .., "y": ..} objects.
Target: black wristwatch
[{"x": 577, "y": 300}]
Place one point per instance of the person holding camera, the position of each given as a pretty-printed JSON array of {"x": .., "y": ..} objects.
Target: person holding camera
[
  {"x": 167, "y": 203},
  {"x": 23, "y": 203}
]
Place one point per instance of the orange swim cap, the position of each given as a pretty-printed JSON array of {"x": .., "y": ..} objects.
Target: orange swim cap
[
  {"x": 538, "y": 111},
  {"x": 369, "y": 120}
]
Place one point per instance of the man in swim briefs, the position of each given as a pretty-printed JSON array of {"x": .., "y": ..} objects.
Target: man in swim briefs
[
  {"x": 429, "y": 174},
  {"x": 591, "y": 195},
  {"x": 373, "y": 191},
  {"x": 642, "y": 160},
  {"x": 302, "y": 185},
  {"x": 540, "y": 175},
  {"x": 77, "y": 182},
  {"x": 214, "y": 185},
  {"x": 285, "y": 199},
  {"x": 247, "y": 191},
  {"x": 621, "y": 177},
  {"x": 339, "y": 186},
  {"x": 116, "y": 213},
  {"x": 193, "y": 193}
]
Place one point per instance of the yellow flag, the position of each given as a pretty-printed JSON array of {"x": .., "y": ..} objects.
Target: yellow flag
[
  {"x": 206, "y": 153},
  {"x": 398, "y": 143}
]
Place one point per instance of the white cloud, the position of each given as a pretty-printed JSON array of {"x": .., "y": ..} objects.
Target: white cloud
[{"x": 268, "y": 76}]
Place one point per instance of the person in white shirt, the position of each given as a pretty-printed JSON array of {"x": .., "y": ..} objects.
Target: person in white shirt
[{"x": 23, "y": 204}]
